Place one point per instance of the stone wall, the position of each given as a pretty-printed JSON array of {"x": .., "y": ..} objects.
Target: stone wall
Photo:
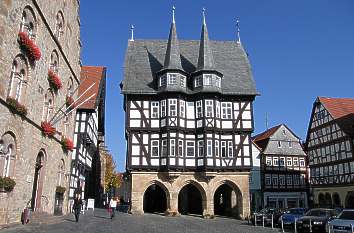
[
  {"x": 343, "y": 193},
  {"x": 26, "y": 130},
  {"x": 207, "y": 184}
]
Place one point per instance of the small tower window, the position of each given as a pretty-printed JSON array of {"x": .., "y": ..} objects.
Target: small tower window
[
  {"x": 198, "y": 81},
  {"x": 18, "y": 78},
  {"x": 172, "y": 79},
  {"x": 163, "y": 81},
  {"x": 28, "y": 23},
  {"x": 218, "y": 82},
  {"x": 208, "y": 79},
  {"x": 183, "y": 81},
  {"x": 59, "y": 25}
]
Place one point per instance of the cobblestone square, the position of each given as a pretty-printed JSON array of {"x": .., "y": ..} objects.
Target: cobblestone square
[{"x": 148, "y": 223}]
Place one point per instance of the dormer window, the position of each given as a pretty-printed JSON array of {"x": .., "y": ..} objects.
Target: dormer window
[
  {"x": 183, "y": 81},
  {"x": 163, "y": 81},
  {"x": 217, "y": 81},
  {"x": 199, "y": 81},
  {"x": 172, "y": 79},
  {"x": 207, "y": 79}
]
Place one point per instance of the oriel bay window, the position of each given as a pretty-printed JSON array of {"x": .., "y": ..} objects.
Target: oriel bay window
[
  {"x": 183, "y": 81},
  {"x": 172, "y": 79},
  {"x": 172, "y": 107},
  {"x": 190, "y": 148},
  {"x": 198, "y": 81},
  {"x": 209, "y": 110},
  {"x": 155, "y": 148},
  {"x": 226, "y": 110},
  {"x": 163, "y": 81},
  {"x": 154, "y": 109},
  {"x": 207, "y": 79}
]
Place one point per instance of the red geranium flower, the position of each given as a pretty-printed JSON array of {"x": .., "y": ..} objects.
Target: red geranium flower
[
  {"x": 54, "y": 80},
  {"x": 67, "y": 144},
  {"x": 32, "y": 50},
  {"x": 47, "y": 129}
]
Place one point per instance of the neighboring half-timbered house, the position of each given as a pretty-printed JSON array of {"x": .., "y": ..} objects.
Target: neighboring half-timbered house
[
  {"x": 329, "y": 144},
  {"x": 89, "y": 133},
  {"x": 283, "y": 168},
  {"x": 189, "y": 119}
]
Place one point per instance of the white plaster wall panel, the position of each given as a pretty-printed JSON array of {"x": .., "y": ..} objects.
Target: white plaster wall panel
[
  {"x": 236, "y": 113},
  {"x": 236, "y": 105},
  {"x": 226, "y": 136},
  {"x": 246, "y": 115},
  {"x": 200, "y": 162},
  {"x": 154, "y": 162},
  {"x": 146, "y": 138},
  {"x": 155, "y": 123},
  {"x": 181, "y": 162},
  {"x": 190, "y": 110},
  {"x": 134, "y": 139},
  {"x": 134, "y": 123},
  {"x": 146, "y": 113},
  {"x": 237, "y": 139},
  {"x": 238, "y": 162},
  {"x": 172, "y": 161},
  {"x": 188, "y": 136},
  {"x": 135, "y": 161},
  {"x": 199, "y": 123},
  {"x": 247, "y": 161},
  {"x": 217, "y": 162},
  {"x": 163, "y": 161},
  {"x": 135, "y": 150},
  {"x": 246, "y": 151},
  {"x": 210, "y": 162},
  {"x": 182, "y": 123},
  {"x": 144, "y": 161},
  {"x": 163, "y": 122},
  {"x": 190, "y": 162},
  {"x": 247, "y": 124},
  {"x": 173, "y": 134},
  {"x": 146, "y": 104},
  {"x": 226, "y": 124},
  {"x": 155, "y": 136},
  {"x": 164, "y": 135},
  {"x": 190, "y": 124},
  {"x": 218, "y": 123}
]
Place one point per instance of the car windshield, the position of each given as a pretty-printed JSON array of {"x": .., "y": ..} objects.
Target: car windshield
[
  {"x": 295, "y": 211},
  {"x": 318, "y": 213},
  {"x": 349, "y": 215}
]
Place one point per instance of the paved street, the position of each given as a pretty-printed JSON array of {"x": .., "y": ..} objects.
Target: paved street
[{"x": 125, "y": 223}]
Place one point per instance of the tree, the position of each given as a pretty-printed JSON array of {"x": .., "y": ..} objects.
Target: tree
[{"x": 112, "y": 179}]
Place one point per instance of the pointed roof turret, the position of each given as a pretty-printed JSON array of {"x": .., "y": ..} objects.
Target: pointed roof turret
[
  {"x": 173, "y": 56},
  {"x": 205, "y": 59}
]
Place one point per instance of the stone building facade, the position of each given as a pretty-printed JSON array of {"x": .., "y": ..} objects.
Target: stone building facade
[
  {"x": 189, "y": 119},
  {"x": 37, "y": 163}
]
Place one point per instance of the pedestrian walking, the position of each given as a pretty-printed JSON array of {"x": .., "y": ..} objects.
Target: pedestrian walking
[
  {"x": 113, "y": 206},
  {"x": 77, "y": 206}
]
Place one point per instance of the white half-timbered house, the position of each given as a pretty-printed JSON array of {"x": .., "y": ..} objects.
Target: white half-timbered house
[
  {"x": 284, "y": 178},
  {"x": 89, "y": 132},
  {"x": 189, "y": 113},
  {"x": 329, "y": 144}
]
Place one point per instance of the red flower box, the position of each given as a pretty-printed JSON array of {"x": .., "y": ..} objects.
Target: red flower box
[
  {"x": 67, "y": 144},
  {"x": 48, "y": 129},
  {"x": 54, "y": 80},
  {"x": 16, "y": 106},
  {"x": 32, "y": 50},
  {"x": 69, "y": 101}
]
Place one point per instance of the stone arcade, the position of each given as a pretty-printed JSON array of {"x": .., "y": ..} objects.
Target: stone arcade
[{"x": 189, "y": 120}]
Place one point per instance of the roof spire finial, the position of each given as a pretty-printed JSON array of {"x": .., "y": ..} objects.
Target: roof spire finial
[
  {"x": 238, "y": 30},
  {"x": 203, "y": 10},
  {"x": 132, "y": 31},
  {"x": 173, "y": 14}
]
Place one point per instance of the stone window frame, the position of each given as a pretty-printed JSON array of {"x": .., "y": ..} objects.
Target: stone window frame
[
  {"x": 48, "y": 106},
  {"x": 28, "y": 23},
  {"x": 54, "y": 62},
  {"x": 7, "y": 154},
  {"x": 19, "y": 78},
  {"x": 59, "y": 25}
]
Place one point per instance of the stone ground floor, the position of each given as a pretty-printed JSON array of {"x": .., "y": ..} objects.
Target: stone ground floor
[
  {"x": 334, "y": 197},
  {"x": 147, "y": 223},
  {"x": 201, "y": 193}
]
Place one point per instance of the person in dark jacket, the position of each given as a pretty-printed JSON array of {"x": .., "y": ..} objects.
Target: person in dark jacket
[{"x": 77, "y": 206}]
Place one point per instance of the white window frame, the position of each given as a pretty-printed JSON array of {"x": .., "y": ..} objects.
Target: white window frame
[
  {"x": 163, "y": 81},
  {"x": 163, "y": 108},
  {"x": 275, "y": 161},
  {"x": 198, "y": 81},
  {"x": 182, "y": 108},
  {"x": 289, "y": 180},
  {"x": 269, "y": 161},
  {"x": 180, "y": 148},
  {"x": 295, "y": 161},
  {"x": 226, "y": 110},
  {"x": 209, "y": 108},
  {"x": 200, "y": 148},
  {"x": 302, "y": 162},
  {"x": 217, "y": 151},
  {"x": 282, "y": 164},
  {"x": 189, "y": 147},
  {"x": 282, "y": 179},
  {"x": 156, "y": 147},
  {"x": 217, "y": 81},
  {"x": 207, "y": 79},
  {"x": 155, "y": 109},
  {"x": 172, "y": 147},
  {"x": 172, "y": 103},
  {"x": 172, "y": 79},
  {"x": 268, "y": 180},
  {"x": 217, "y": 109},
  {"x": 199, "y": 109},
  {"x": 182, "y": 81},
  {"x": 289, "y": 161},
  {"x": 164, "y": 148},
  {"x": 209, "y": 148},
  {"x": 230, "y": 149},
  {"x": 223, "y": 149}
]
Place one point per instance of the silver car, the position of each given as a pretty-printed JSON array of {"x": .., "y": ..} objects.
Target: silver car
[{"x": 343, "y": 223}]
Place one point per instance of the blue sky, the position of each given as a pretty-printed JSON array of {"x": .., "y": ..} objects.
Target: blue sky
[{"x": 298, "y": 50}]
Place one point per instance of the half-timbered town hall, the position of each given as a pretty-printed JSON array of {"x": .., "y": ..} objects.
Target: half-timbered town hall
[{"x": 189, "y": 120}]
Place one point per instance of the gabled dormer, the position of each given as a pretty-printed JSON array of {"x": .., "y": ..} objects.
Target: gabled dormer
[
  {"x": 206, "y": 78},
  {"x": 172, "y": 77}
]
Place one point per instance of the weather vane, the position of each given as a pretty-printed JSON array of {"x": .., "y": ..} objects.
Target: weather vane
[
  {"x": 132, "y": 31},
  {"x": 203, "y": 15},
  {"x": 173, "y": 14},
  {"x": 238, "y": 30}
]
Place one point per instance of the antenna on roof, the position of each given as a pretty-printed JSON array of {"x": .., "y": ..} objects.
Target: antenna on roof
[
  {"x": 238, "y": 30},
  {"x": 173, "y": 14},
  {"x": 203, "y": 10},
  {"x": 132, "y": 31}
]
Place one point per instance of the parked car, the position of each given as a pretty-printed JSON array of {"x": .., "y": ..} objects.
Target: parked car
[
  {"x": 267, "y": 214},
  {"x": 316, "y": 220},
  {"x": 344, "y": 223},
  {"x": 290, "y": 215}
]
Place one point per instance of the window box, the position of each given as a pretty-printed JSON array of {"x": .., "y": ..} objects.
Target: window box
[
  {"x": 16, "y": 106},
  {"x": 67, "y": 144},
  {"x": 54, "y": 80},
  {"x": 7, "y": 184},
  {"x": 31, "y": 49},
  {"x": 48, "y": 129}
]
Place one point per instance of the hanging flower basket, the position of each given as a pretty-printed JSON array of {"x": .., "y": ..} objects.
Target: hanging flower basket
[
  {"x": 54, "y": 80},
  {"x": 69, "y": 101},
  {"x": 67, "y": 144},
  {"x": 16, "y": 107},
  {"x": 7, "y": 184},
  {"x": 31, "y": 49},
  {"x": 60, "y": 189},
  {"x": 47, "y": 129}
]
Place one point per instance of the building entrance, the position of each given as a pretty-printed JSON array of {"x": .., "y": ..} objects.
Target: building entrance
[
  {"x": 222, "y": 200},
  {"x": 190, "y": 200},
  {"x": 155, "y": 200}
]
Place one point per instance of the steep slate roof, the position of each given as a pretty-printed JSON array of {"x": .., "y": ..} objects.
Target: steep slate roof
[
  {"x": 342, "y": 111},
  {"x": 266, "y": 134},
  {"x": 88, "y": 76},
  {"x": 144, "y": 58},
  {"x": 205, "y": 58}
]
